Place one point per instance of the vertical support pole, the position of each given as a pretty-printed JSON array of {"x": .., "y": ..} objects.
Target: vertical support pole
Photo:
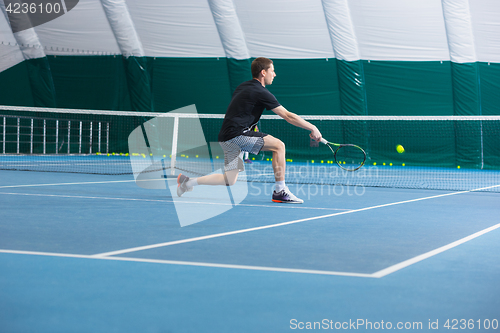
[
  {"x": 99, "y": 139},
  {"x": 31, "y": 136},
  {"x": 90, "y": 151},
  {"x": 69, "y": 136},
  {"x": 57, "y": 136},
  {"x": 107, "y": 138},
  {"x": 44, "y": 136},
  {"x": 4, "y": 133},
  {"x": 18, "y": 133},
  {"x": 174, "y": 145},
  {"x": 80, "y": 139}
]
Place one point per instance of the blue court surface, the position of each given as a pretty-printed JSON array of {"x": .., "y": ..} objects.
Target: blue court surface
[{"x": 93, "y": 253}]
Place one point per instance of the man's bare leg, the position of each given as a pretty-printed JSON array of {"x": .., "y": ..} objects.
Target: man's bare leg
[
  {"x": 281, "y": 193},
  {"x": 277, "y": 147},
  {"x": 228, "y": 178}
]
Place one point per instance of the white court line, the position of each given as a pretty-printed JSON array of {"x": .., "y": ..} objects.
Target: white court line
[
  {"x": 409, "y": 262},
  {"x": 189, "y": 263},
  {"x": 168, "y": 201},
  {"x": 195, "y": 239},
  {"x": 60, "y": 184},
  {"x": 379, "y": 274},
  {"x": 84, "y": 183}
]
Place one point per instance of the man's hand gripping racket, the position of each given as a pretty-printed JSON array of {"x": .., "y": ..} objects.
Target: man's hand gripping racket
[{"x": 347, "y": 156}]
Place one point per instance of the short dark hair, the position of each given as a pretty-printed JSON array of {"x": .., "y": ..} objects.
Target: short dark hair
[{"x": 260, "y": 64}]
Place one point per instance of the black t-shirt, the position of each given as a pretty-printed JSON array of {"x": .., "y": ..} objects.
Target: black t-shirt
[{"x": 248, "y": 102}]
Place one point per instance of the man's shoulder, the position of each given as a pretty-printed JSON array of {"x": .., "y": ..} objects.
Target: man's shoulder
[{"x": 250, "y": 84}]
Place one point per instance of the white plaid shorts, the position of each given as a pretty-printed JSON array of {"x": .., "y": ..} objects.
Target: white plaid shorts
[{"x": 234, "y": 149}]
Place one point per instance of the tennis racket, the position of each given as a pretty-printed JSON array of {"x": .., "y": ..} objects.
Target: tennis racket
[{"x": 347, "y": 156}]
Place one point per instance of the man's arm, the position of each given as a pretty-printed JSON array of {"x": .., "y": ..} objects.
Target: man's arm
[{"x": 296, "y": 120}]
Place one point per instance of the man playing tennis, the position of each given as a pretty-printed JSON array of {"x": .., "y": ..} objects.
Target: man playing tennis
[{"x": 237, "y": 136}]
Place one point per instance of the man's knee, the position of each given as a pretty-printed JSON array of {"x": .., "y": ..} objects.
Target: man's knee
[
  {"x": 231, "y": 177},
  {"x": 274, "y": 144}
]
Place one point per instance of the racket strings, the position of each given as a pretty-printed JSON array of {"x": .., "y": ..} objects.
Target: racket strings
[{"x": 350, "y": 157}]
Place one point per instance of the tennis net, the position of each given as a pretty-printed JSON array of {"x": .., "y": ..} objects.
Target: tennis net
[{"x": 448, "y": 153}]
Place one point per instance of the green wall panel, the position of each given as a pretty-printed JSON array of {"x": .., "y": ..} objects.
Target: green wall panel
[
  {"x": 42, "y": 84},
  {"x": 15, "y": 87},
  {"x": 307, "y": 86},
  {"x": 239, "y": 71},
  {"x": 489, "y": 75},
  {"x": 352, "y": 87},
  {"x": 465, "y": 83},
  {"x": 139, "y": 81},
  {"x": 90, "y": 82},
  {"x": 179, "y": 82},
  {"x": 408, "y": 88},
  {"x": 304, "y": 86}
]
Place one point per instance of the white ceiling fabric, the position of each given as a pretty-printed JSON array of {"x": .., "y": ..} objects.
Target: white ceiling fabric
[
  {"x": 400, "y": 30},
  {"x": 230, "y": 32}
]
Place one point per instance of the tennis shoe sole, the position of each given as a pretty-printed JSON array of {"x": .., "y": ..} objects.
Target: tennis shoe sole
[
  {"x": 286, "y": 197},
  {"x": 181, "y": 185}
]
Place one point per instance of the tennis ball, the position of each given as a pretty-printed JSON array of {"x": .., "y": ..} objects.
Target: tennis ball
[{"x": 400, "y": 149}]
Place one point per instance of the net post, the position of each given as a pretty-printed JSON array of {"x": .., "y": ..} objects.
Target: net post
[
  {"x": 482, "y": 144},
  {"x": 107, "y": 138},
  {"x": 18, "y": 133},
  {"x": 44, "y": 136},
  {"x": 90, "y": 151},
  {"x": 174, "y": 145},
  {"x": 31, "y": 136},
  {"x": 69, "y": 135},
  {"x": 80, "y": 138},
  {"x": 57, "y": 136},
  {"x": 4, "y": 132},
  {"x": 99, "y": 138}
]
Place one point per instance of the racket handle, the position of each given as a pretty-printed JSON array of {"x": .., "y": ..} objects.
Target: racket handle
[{"x": 323, "y": 141}]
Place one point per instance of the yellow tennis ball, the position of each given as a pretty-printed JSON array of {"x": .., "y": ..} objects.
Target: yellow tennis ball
[{"x": 400, "y": 149}]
